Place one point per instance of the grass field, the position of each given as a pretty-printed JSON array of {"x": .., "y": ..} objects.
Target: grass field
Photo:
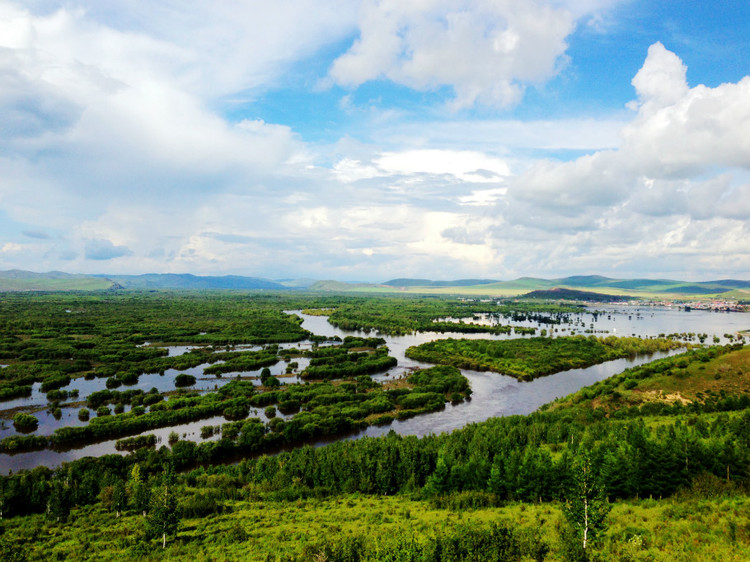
[{"x": 679, "y": 529}]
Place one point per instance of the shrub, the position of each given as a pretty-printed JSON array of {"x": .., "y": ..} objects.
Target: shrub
[
  {"x": 183, "y": 380},
  {"x": 25, "y": 422}
]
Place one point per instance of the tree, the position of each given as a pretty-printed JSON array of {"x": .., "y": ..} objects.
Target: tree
[
  {"x": 440, "y": 480},
  {"x": 162, "y": 518},
  {"x": 3, "y": 497},
  {"x": 586, "y": 506},
  {"x": 140, "y": 491},
  {"x": 58, "y": 502},
  {"x": 119, "y": 497}
]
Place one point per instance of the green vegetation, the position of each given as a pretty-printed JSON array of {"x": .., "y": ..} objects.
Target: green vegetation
[
  {"x": 638, "y": 288},
  {"x": 183, "y": 380},
  {"x": 16, "y": 280},
  {"x": 398, "y": 316},
  {"x": 220, "y": 521},
  {"x": 134, "y": 443},
  {"x": 338, "y": 362},
  {"x": 651, "y": 464},
  {"x": 479, "y": 487},
  {"x": 712, "y": 379},
  {"x": 527, "y": 359},
  {"x": 574, "y": 295},
  {"x": 328, "y": 409},
  {"x": 54, "y": 338},
  {"x": 25, "y": 422},
  {"x": 242, "y": 361}
]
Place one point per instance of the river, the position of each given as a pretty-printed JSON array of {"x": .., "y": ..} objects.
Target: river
[{"x": 493, "y": 394}]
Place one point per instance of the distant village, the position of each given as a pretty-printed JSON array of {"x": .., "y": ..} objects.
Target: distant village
[{"x": 715, "y": 305}]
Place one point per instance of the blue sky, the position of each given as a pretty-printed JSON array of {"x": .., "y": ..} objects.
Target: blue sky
[{"x": 370, "y": 139}]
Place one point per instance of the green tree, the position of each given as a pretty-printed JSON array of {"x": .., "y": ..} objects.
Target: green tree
[
  {"x": 58, "y": 502},
  {"x": 140, "y": 491},
  {"x": 119, "y": 497},
  {"x": 586, "y": 506},
  {"x": 440, "y": 480},
  {"x": 162, "y": 518}
]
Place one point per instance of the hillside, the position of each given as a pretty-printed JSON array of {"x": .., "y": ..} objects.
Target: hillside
[
  {"x": 574, "y": 295},
  {"x": 186, "y": 281},
  {"x": 402, "y": 282},
  {"x": 712, "y": 379},
  {"x": 17, "y": 280},
  {"x": 637, "y": 288},
  {"x": 599, "y": 288}
]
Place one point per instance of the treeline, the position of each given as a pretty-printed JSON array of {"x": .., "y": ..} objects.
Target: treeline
[{"x": 527, "y": 359}]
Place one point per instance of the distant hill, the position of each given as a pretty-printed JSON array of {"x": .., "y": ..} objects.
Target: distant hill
[
  {"x": 584, "y": 280},
  {"x": 429, "y": 283},
  {"x": 342, "y": 287},
  {"x": 642, "y": 288},
  {"x": 18, "y": 280},
  {"x": 574, "y": 295},
  {"x": 186, "y": 281},
  {"x": 303, "y": 283},
  {"x": 598, "y": 285},
  {"x": 655, "y": 285}
]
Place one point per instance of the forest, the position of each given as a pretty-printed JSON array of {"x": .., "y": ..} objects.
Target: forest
[
  {"x": 535, "y": 357},
  {"x": 650, "y": 464}
]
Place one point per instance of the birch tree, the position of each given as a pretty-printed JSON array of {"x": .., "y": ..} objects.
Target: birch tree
[
  {"x": 586, "y": 506},
  {"x": 162, "y": 518}
]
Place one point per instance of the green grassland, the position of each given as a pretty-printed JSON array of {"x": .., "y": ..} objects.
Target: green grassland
[
  {"x": 65, "y": 284},
  {"x": 697, "y": 378},
  {"x": 689, "y": 527}
]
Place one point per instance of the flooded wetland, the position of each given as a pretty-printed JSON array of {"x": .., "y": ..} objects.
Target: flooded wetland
[{"x": 493, "y": 394}]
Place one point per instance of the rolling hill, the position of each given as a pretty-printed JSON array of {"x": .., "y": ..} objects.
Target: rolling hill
[
  {"x": 186, "y": 281},
  {"x": 17, "y": 280}
]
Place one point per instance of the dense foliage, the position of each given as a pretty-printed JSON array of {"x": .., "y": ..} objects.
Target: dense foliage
[
  {"x": 674, "y": 428},
  {"x": 51, "y": 338},
  {"x": 398, "y": 316},
  {"x": 531, "y": 358}
]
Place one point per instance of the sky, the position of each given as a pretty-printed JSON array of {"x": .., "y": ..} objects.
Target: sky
[{"x": 363, "y": 140}]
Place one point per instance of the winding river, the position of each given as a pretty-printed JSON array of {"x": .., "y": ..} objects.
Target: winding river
[{"x": 493, "y": 394}]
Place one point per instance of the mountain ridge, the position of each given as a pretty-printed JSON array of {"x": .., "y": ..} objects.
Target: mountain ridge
[{"x": 20, "y": 280}]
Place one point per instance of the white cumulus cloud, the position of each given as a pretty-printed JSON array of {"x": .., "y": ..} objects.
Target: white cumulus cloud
[{"x": 486, "y": 51}]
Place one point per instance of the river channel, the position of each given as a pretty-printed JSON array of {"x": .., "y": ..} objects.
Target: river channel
[{"x": 493, "y": 395}]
